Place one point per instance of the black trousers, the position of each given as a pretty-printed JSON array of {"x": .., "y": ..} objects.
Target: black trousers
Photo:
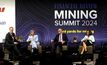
[
  {"x": 58, "y": 45},
  {"x": 13, "y": 51},
  {"x": 35, "y": 51}
]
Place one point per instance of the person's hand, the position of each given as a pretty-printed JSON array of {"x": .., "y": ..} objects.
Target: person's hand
[
  {"x": 63, "y": 42},
  {"x": 15, "y": 43},
  {"x": 29, "y": 42},
  {"x": 52, "y": 40}
]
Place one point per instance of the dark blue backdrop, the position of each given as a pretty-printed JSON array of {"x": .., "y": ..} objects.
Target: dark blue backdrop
[{"x": 39, "y": 15}]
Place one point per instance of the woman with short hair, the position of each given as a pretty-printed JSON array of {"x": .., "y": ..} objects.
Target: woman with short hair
[{"x": 33, "y": 39}]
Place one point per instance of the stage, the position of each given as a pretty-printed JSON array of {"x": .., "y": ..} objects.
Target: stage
[{"x": 70, "y": 56}]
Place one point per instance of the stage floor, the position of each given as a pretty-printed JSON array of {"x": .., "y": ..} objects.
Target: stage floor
[{"x": 54, "y": 60}]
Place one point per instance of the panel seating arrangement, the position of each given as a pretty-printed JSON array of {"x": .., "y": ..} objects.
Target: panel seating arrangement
[
  {"x": 70, "y": 54},
  {"x": 102, "y": 58},
  {"x": 89, "y": 53},
  {"x": 6, "y": 52}
]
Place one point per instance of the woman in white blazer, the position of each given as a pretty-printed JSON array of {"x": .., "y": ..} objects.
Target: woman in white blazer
[
  {"x": 87, "y": 40},
  {"x": 33, "y": 39}
]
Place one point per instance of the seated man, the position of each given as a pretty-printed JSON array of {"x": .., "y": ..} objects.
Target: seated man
[
  {"x": 60, "y": 39},
  {"x": 11, "y": 43}
]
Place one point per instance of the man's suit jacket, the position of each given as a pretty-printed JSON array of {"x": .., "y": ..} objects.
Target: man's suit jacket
[
  {"x": 9, "y": 40},
  {"x": 64, "y": 37}
]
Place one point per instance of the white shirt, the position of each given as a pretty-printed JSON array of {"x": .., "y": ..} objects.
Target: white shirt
[
  {"x": 60, "y": 38},
  {"x": 90, "y": 38},
  {"x": 34, "y": 41}
]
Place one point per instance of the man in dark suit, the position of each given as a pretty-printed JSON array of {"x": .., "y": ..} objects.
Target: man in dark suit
[
  {"x": 60, "y": 39},
  {"x": 11, "y": 43}
]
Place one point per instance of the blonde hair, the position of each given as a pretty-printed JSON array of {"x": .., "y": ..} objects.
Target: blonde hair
[{"x": 30, "y": 34}]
